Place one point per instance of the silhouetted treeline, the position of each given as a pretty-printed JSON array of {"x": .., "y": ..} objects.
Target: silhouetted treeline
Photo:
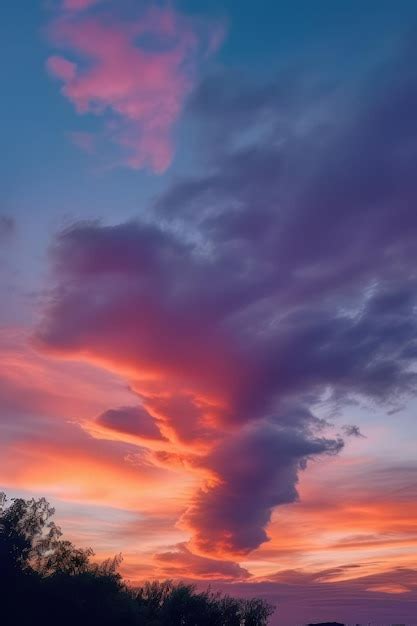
[{"x": 45, "y": 579}]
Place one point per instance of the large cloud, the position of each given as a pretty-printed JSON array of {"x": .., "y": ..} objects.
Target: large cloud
[{"x": 281, "y": 277}]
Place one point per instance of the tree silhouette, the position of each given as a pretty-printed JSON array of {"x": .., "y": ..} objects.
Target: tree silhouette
[{"x": 46, "y": 579}]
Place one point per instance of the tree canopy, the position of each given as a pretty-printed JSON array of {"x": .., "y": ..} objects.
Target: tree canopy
[{"x": 45, "y": 578}]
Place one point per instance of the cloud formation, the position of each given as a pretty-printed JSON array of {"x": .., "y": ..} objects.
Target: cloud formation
[
  {"x": 42, "y": 446},
  {"x": 181, "y": 560},
  {"x": 280, "y": 279},
  {"x": 257, "y": 470},
  {"x": 78, "y": 5},
  {"x": 131, "y": 420},
  {"x": 133, "y": 70}
]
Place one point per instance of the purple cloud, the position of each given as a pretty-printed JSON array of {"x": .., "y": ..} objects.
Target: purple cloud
[
  {"x": 257, "y": 470},
  {"x": 345, "y": 594},
  {"x": 131, "y": 420},
  {"x": 281, "y": 276}
]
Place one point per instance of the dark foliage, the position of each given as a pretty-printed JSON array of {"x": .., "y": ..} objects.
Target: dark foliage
[{"x": 45, "y": 579}]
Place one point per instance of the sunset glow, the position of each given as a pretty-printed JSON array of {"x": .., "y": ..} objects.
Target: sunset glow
[{"x": 208, "y": 330}]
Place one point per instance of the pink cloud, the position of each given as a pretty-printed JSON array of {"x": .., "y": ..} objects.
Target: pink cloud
[
  {"x": 61, "y": 68},
  {"x": 78, "y": 5},
  {"x": 136, "y": 74}
]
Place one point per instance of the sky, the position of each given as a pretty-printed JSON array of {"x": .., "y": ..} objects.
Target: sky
[{"x": 208, "y": 287}]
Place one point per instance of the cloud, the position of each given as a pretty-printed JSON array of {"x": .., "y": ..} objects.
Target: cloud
[
  {"x": 131, "y": 420},
  {"x": 351, "y": 430},
  {"x": 257, "y": 470},
  {"x": 280, "y": 279},
  {"x": 134, "y": 72},
  {"x": 180, "y": 560},
  {"x": 343, "y": 593},
  {"x": 318, "y": 165},
  {"x": 78, "y": 5},
  {"x": 61, "y": 68},
  {"x": 53, "y": 388},
  {"x": 42, "y": 445}
]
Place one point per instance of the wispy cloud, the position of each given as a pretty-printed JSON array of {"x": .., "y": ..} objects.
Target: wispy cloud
[{"x": 134, "y": 72}]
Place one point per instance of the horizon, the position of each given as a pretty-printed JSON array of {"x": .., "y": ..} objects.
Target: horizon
[{"x": 208, "y": 332}]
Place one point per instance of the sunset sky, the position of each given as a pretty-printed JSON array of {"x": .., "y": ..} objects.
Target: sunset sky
[{"x": 208, "y": 287}]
